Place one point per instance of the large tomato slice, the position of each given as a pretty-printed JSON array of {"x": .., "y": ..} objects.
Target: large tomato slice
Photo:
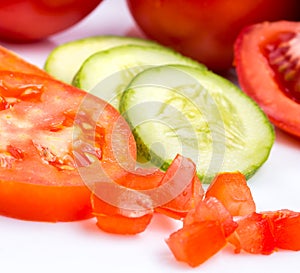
[
  {"x": 12, "y": 62},
  {"x": 267, "y": 58},
  {"x": 50, "y": 133}
]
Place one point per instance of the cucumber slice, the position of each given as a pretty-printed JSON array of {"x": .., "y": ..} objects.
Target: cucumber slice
[
  {"x": 65, "y": 60},
  {"x": 196, "y": 113},
  {"x": 107, "y": 73}
]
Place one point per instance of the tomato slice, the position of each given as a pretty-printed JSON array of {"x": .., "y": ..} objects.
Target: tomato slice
[
  {"x": 232, "y": 190},
  {"x": 196, "y": 243},
  {"x": 211, "y": 209},
  {"x": 11, "y": 62},
  {"x": 267, "y": 59},
  {"x": 49, "y": 133}
]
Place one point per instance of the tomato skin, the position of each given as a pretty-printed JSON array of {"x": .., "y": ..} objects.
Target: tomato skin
[
  {"x": 30, "y": 20},
  {"x": 256, "y": 77},
  {"x": 233, "y": 192},
  {"x": 206, "y": 29}
]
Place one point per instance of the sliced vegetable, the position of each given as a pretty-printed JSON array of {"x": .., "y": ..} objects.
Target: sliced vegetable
[
  {"x": 134, "y": 197},
  {"x": 193, "y": 112},
  {"x": 108, "y": 72},
  {"x": 267, "y": 65},
  {"x": 12, "y": 62},
  {"x": 49, "y": 132},
  {"x": 62, "y": 65},
  {"x": 232, "y": 190}
]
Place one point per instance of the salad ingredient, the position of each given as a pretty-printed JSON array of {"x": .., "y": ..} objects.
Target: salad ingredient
[
  {"x": 206, "y": 29},
  {"x": 12, "y": 62},
  {"x": 211, "y": 209},
  {"x": 107, "y": 73},
  {"x": 232, "y": 190},
  {"x": 267, "y": 65},
  {"x": 31, "y": 20},
  {"x": 49, "y": 132},
  {"x": 176, "y": 109},
  {"x": 196, "y": 243},
  {"x": 136, "y": 196},
  {"x": 62, "y": 65}
]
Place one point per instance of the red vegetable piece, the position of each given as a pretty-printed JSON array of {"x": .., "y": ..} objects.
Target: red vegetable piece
[
  {"x": 286, "y": 227},
  {"x": 232, "y": 190},
  {"x": 253, "y": 234},
  {"x": 267, "y": 65},
  {"x": 211, "y": 209},
  {"x": 196, "y": 243},
  {"x": 181, "y": 181}
]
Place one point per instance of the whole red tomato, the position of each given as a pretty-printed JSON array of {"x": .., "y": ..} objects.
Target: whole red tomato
[
  {"x": 28, "y": 20},
  {"x": 206, "y": 29}
]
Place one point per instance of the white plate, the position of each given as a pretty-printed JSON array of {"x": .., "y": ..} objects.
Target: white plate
[{"x": 82, "y": 247}]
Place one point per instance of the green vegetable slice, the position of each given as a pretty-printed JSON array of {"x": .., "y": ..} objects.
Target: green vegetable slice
[
  {"x": 107, "y": 73},
  {"x": 196, "y": 113},
  {"x": 64, "y": 61}
]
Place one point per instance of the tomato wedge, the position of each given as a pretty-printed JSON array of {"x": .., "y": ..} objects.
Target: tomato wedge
[
  {"x": 267, "y": 59},
  {"x": 11, "y": 62},
  {"x": 49, "y": 132}
]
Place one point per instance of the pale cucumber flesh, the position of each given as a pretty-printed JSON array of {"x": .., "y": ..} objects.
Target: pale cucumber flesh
[
  {"x": 196, "y": 113},
  {"x": 106, "y": 73},
  {"x": 65, "y": 60}
]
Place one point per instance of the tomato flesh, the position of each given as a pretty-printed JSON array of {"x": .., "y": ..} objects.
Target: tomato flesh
[
  {"x": 211, "y": 209},
  {"x": 267, "y": 65},
  {"x": 232, "y": 190},
  {"x": 196, "y": 243},
  {"x": 49, "y": 132}
]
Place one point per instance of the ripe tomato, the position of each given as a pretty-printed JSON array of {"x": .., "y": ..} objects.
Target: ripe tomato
[
  {"x": 206, "y": 29},
  {"x": 28, "y": 20},
  {"x": 50, "y": 133},
  {"x": 267, "y": 64}
]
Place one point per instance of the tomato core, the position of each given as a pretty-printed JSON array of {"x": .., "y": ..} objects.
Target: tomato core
[{"x": 283, "y": 55}]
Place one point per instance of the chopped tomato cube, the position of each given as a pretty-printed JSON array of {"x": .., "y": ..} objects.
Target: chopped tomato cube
[
  {"x": 196, "y": 243},
  {"x": 253, "y": 234},
  {"x": 286, "y": 227},
  {"x": 212, "y": 209},
  {"x": 232, "y": 190}
]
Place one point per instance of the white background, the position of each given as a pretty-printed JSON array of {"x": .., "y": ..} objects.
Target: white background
[{"x": 82, "y": 247}]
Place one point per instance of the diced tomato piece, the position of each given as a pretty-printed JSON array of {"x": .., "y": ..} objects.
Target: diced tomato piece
[
  {"x": 211, "y": 209},
  {"x": 196, "y": 243},
  {"x": 180, "y": 188},
  {"x": 232, "y": 190},
  {"x": 253, "y": 234},
  {"x": 286, "y": 227},
  {"x": 11, "y": 62}
]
